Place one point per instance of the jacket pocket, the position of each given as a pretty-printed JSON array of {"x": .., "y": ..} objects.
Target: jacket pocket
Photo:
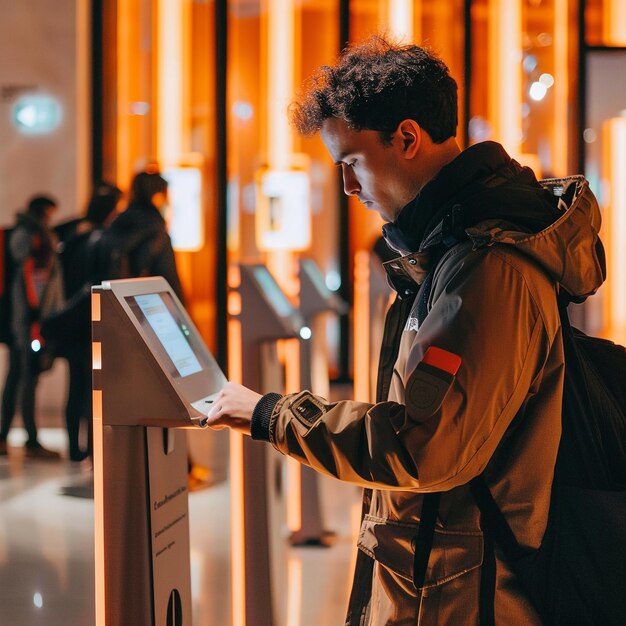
[{"x": 392, "y": 544}]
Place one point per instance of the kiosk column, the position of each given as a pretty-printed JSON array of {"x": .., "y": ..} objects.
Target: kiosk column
[
  {"x": 266, "y": 316},
  {"x": 152, "y": 376}
]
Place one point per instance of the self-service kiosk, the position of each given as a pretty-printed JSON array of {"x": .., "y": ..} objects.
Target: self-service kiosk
[
  {"x": 266, "y": 316},
  {"x": 152, "y": 376},
  {"x": 315, "y": 300}
]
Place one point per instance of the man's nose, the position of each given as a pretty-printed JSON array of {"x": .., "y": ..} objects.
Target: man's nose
[{"x": 351, "y": 185}]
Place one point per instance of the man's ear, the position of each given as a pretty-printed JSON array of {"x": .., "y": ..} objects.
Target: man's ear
[{"x": 410, "y": 134}]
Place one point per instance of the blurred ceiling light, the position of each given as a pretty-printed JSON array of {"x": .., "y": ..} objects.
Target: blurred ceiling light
[
  {"x": 589, "y": 135},
  {"x": 36, "y": 115},
  {"x": 544, "y": 39},
  {"x": 38, "y": 600},
  {"x": 547, "y": 80},
  {"x": 139, "y": 108},
  {"x": 243, "y": 110},
  {"x": 537, "y": 91},
  {"x": 529, "y": 63},
  {"x": 333, "y": 280}
]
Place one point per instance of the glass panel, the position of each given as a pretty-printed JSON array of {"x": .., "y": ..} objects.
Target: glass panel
[
  {"x": 605, "y": 22},
  {"x": 523, "y": 81},
  {"x": 605, "y": 164}
]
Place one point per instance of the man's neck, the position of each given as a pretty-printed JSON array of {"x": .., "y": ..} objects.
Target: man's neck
[{"x": 439, "y": 155}]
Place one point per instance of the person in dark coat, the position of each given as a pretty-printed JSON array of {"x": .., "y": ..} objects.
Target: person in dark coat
[
  {"x": 36, "y": 291},
  {"x": 137, "y": 243},
  {"x": 79, "y": 239}
]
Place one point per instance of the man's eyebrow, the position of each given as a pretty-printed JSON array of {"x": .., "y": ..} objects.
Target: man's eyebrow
[{"x": 341, "y": 157}]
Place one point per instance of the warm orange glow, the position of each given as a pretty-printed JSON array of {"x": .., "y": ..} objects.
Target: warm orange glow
[
  {"x": 98, "y": 491},
  {"x": 402, "y": 20},
  {"x": 83, "y": 108},
  {"x": 95, "y": 307},
  {"x": 173, "y": 34},
  {"x": 531, "y": 160},
  {"x": 124, "y": 36},
  {"x": 614, "y": 22},
  {"x": 361, "y": 326},
  {"x": 505, "y": 73},
  {"x": 234, "y": 303},
  {"x": 237, "y": 531},
  {"x": 560, "y": 145},
  {"x": 614, "y": 227},
  {"x": 280, "y": 77},
  {"x": 294, "y": 592},
  {"x": 96, "y": 355},
  {"x": 238, "y": 578},
  {"x": 234, "y": 276},
  {"x": 235, "y": 367},
  {"x": 294, "y": 495}
]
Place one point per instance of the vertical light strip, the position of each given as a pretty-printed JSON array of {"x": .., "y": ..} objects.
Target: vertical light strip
[
  {"x": 362, "y": 326},
  {"x": 83, "y": 102},
  {"x": 96, "y": 355},
  {"x": 294, "y": 489},
  {"x": 237, "y": 532},
  {"x": 123, "y": 68},
  {"x": 294, "y": 592},
  {"x": 560, "y": 143},
  {"x": 170, "y": 89},
  {"x": 95, "y": 307},
  {"x": 401, "y": 20},
  {"x": 280, "y": 58},
  {"x": 98, "y": 497},
  {"x": 505, "y": 72},
  {"x": 614, "y": 22},
  {"x": 614, "y": 226}
]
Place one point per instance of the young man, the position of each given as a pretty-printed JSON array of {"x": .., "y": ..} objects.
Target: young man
[{"x": 483, "y": 251}]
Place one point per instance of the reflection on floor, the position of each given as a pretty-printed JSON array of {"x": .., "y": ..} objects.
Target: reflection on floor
[{"x": 46, "y": 549}]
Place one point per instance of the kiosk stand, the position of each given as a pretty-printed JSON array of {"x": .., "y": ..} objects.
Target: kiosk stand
[
  {"x": 152, "y": 376},
  {"x": 266, "y": 316},
  {"x": 315, "y": 299}
]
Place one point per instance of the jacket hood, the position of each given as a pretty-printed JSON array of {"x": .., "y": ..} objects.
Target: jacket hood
[{"x": 486, "y": 196}]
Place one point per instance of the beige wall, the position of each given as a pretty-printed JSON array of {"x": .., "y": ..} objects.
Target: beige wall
[{"x": 44, "y": 50}]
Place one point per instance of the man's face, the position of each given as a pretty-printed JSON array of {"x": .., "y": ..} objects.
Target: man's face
[{"x": 373, "y": 171}]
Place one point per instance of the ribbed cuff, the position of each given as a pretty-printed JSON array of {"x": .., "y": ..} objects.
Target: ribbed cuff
[{"x": 261, "y": 416}]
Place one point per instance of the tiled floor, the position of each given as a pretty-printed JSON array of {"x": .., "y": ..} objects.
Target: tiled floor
[{"x": 47, "y": 562}]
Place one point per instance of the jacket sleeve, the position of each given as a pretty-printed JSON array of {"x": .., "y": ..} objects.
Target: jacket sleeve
[{"x": 484, "y": 309}]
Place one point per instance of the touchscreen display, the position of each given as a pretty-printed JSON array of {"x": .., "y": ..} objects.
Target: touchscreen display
[
  {"x": 272, "y": 292},
  {"x": 153, "y": 312}
]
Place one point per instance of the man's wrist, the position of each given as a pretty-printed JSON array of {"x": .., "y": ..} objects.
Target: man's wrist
[{"x": 262, "y": 415}]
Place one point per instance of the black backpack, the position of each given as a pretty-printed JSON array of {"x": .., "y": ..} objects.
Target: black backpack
[
  {"x": 578, "y": 574},
  {"x": 6, "y": 277}
]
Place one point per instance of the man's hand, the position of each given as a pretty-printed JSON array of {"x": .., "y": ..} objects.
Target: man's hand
[{"x": 233, "y": 407}]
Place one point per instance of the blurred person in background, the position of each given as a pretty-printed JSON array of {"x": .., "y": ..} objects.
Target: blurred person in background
[
  {"x": 36, "y": 291},
  {"x": 70, "y": 328},
  {"x": 137, "y": 243}
]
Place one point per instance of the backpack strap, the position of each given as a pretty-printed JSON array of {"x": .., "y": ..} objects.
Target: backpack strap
[
  {"x": 494, "y": 521},
  {"x": 425, "y": 536}
]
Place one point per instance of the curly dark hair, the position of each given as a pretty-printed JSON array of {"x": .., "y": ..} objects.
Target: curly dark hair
[{"x": 377, "y": 84}]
